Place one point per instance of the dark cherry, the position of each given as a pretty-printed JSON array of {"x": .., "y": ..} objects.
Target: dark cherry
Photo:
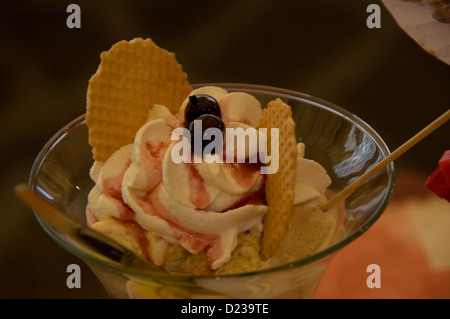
[
  {"x": 208, "y": 121},
  {"x": 200, "y": 104}
]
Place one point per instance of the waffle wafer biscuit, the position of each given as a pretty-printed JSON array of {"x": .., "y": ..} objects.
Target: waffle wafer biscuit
[
  {"x": 280, "y": 185},
  {"x": 131, "y": 78}
]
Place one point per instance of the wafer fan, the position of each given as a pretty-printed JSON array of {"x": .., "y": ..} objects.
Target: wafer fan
[
  {"x": 131, "y": 78},
  {"x": 279, "y": 186}
]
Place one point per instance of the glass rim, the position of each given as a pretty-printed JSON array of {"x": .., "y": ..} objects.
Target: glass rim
[{"x": 253, "y": 88}]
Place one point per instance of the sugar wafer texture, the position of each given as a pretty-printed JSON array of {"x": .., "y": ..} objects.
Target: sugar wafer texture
[
  {"x": 132, "y": 77},
  {"x": 280, "y": 186}
]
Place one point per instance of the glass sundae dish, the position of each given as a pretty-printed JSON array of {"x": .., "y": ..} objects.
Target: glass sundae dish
[{"x": 210, "y": 254}]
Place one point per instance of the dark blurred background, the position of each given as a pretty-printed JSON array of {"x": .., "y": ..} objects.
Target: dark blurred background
[{"x": 319, "y": 47}]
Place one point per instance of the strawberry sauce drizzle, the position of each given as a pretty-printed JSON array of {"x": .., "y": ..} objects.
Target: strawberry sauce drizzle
[
  {"x": 112, "y": 187},
  {"x": 192, "y": 241},
  {"x": 245, "y": 174},
  {"x": 254, "y": 198},
  {"x": 198, "y": 194}
]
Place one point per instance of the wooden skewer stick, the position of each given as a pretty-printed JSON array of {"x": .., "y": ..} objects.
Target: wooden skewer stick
[{"x": 343, "y": 194}]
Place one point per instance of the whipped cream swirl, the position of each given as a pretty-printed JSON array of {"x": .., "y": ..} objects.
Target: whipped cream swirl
[{"x": 200, "y": 206}]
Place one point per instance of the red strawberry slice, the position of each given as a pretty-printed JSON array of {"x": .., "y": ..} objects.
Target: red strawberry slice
[{"x": 439, "y": 181}]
